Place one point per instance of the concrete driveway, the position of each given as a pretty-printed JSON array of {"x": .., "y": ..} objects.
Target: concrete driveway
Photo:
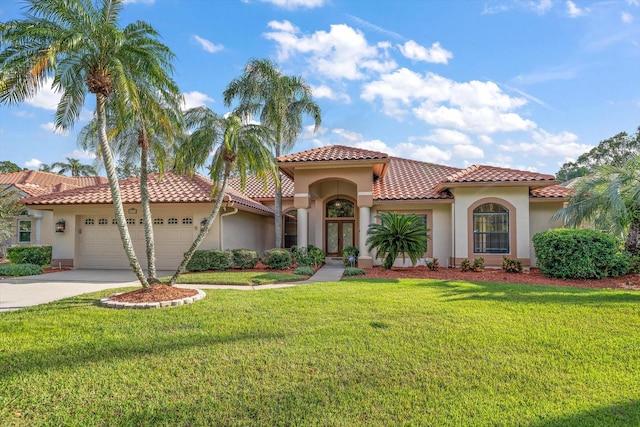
[{"x": 27, "y": 291}]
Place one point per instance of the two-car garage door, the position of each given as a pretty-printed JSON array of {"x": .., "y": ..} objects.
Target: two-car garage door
[{"x": 99, "y": 244}]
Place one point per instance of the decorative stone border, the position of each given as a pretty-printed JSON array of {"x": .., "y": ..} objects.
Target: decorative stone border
[{"x": 109, "y": 303}]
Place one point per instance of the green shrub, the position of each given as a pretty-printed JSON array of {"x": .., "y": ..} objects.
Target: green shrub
[
  {"x": 304, "y": 270},
  {"x": 204, "y": 260},
  {"x": 577, "y": 254},
  {"x": 478, "y": 264},
  {"x": 352, "y": 271},
  {"x": 510, "y": 265},
  {"x": 397, "y": 235},
  {"x": 465, "y": 265},
  {"x": 20, "y": 270},
  {"x": 433, "y": 265},
  {"x": 277, "y": 259},
  {"x": 245, "y": 258},
  {"x": 308, "y": 256},
  {"x": 38, "y": 255},
  {"x": 621, "y": 264},
  {"x": 634, "y": 264},
  {"x": 348, "y": 252}
]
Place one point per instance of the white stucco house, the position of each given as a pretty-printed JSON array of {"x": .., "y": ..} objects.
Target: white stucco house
[{"x": 331, "y": 195}]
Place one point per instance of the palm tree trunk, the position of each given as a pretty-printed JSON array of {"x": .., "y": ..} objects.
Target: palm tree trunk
[
  {"x": 203, "y": 232},
  {"x": 278, "y": 204},
  {"x": 107, "y": 158},
  {"x": 632, "y": 244},
  {"x": 147, "y": 218}
]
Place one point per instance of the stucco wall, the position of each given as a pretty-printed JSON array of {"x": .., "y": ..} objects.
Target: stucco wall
[
  {"x": 247, "y": 230},
  {"x": 541, "y": 214}
]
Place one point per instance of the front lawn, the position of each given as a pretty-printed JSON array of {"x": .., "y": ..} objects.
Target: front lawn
[
  {"x": 358, "y": 352},
  {"x": 231, "y": 277}
]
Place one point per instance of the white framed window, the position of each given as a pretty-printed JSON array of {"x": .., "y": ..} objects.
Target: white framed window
[{"x": 24, "y": 231}]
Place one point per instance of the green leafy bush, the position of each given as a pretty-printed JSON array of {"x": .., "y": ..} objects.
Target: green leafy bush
[
  {"x": 353, "y": 271},
  {"x": 348, "y": 252},
  {"x": 245, "y": 258},
  {"x": 38, "y": 255},
  {"x": 20, "y": 270},
  {"x": 310, "y": 255},
  {"x": 465, "y": 265},
  {"x": 204, "y": 260},
  {"x": 510, "y": 265},
  {"x": 478, "y": 264},
  {"x": 634, "y": 264},
  {"x": 578, "y": 254},
  {"x": 304, "y": 270},
  {"x": 397, "y": 235},
  {"x": 277, "y": 259},
  {"x": 433, "y": 265}
]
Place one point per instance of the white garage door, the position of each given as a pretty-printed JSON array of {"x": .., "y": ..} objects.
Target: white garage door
[{"x": 99, "y": 244}]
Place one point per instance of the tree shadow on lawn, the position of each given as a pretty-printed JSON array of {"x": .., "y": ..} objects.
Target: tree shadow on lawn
[
  {"x": 458, "y": 290},
  {"x": 620, "y": 414}
]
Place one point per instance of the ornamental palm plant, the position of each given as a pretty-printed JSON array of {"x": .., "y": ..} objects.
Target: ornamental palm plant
[
  {"x": 280, "y": 101},
  {"x": 238, "y": 148},
  {"x": 81, "y": 45},
  {"x": 395, "y": 235}
]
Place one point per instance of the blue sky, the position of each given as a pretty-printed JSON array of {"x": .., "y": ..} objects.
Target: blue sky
[{"x": 520, "y": 84}]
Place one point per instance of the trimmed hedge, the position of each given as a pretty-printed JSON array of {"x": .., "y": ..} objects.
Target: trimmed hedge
[
  {"x": 20, "y": 270},
  {"x": 245, "y": 258},
  {"x": 204, "y": 260},
  {"x": 38, "y": 255},
  {"x": 579, "y": 254},
  {"x": 277, "y": 259},
  {"x": 304, "y": 270}
]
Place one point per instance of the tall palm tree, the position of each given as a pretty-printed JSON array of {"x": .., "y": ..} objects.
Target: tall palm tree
[
  {"x": 608, "y": 199},
  {"x": 83, "y": 47},
  {"x": 75, "y": 167},
  {"x": 147, "y": 137},
  {"x": 237, "y": 147},
  {"x": 281, "y": 101}
]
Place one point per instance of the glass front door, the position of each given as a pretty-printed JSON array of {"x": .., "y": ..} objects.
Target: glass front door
[{"x": 340, "y": 234}]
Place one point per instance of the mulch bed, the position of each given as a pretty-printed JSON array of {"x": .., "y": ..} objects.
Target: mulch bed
[{"x": 155, "y": 293}]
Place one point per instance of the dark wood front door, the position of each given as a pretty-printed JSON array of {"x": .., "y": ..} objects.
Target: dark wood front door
[{"x": 339, "y": 235}]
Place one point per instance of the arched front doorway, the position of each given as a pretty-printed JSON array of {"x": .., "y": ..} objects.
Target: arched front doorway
[{"x": 340, "y": 225}]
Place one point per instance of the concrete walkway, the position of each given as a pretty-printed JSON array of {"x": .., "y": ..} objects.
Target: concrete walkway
[{"x": 20, "y": 292}]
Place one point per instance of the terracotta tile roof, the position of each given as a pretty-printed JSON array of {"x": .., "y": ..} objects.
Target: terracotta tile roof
[
  {"x": 553, "y": 191},
  {"x": 332, "y": 153},
  {"x": 254, "y": 188},
  {"x": 483, "y": 173},
  {"x": 36, "y": 183},
  {"x": 169, "y": 188},
  {"x": 411, "y": 180}
]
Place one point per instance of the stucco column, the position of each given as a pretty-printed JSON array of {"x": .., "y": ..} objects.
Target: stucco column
[
  {"x": 303, "y": 227},
  {"x": 37, "y": 227},
  {"x": 364, "y": 260}
]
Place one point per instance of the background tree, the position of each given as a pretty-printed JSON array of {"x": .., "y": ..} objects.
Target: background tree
[
  {"x": 614, "y": 151},
  {"x": 236, "y": 146},
  {"x": 280, "y": 101},
  {"x": 74, "y": 167},
  {"x": 608, "y": 199},
  {"x": 82, "y": 46},
  {"x": 44, "y": 167},
  {"x": 7, "y": 166},
  {"x": 10, "y": 209},
  {"x": 395, "y": 235}
]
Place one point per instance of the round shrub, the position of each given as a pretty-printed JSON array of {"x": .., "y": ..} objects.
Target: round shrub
[
  {"x": 245, "y": 258},
  {"x": 304, "y": 270},
  {"x": 578, "y": 254},
  {"x": 20, "y": 270},
  {"x": 277, "y": 259}
]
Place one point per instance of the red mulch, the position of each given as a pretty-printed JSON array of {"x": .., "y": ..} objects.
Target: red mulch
[
  {"x": 534, "y": 277},
  {"x": 155, "y": 293}
]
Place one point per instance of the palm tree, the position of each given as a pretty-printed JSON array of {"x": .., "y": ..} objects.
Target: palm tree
[
  {"x": 83, "y": 47},
  {"x": 236, "y": 146},
  {"x": 395, "y": 235},
  {"x": 281, "y": 102},
  {"x": 74, "y": 167},
  {"x": 44, "y": 167},
  {"x": 147, "y": 136},
  {"x": 608, "y": 199}
]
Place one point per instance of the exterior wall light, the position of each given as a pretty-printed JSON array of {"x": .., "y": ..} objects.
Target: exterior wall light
[{"x": 60, "y": 226}]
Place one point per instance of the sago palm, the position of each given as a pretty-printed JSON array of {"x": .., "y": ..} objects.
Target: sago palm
[
  {"x": 280, "y": 101},
  {"x": 396, "y": 235},
  {"x": 237, "y": 148},
  {"x": 82, "y": 46}
]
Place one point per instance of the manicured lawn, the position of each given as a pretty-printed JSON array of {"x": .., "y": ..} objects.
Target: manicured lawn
[
  {"x": 358, "y": 352},
  {"x": 237, "y": 278}
]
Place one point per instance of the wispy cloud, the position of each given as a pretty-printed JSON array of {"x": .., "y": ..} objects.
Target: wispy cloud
[
  {"x": 296, "y": 4},
  {"x": 574, "y": 11},
  {"x": 435, "y": 54},
  {"x": 626, "y": 17},
  {"x": 374, "y": 27},
  {"x": 541, "y": 76},
  {"x": 208, "y": 45}
]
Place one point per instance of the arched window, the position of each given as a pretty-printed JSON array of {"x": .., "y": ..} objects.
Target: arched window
[
  {"x": 340, "y": 208},
  {"x": 491, "y": 229},
  {"x": 290, "y": 228}
]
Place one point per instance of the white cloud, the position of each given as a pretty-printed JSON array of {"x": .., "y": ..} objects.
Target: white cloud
[
  {"x": 51, "y": 127},
  {"x": 295, "y": 4},
  {"x": 45, "y": 98},
  {"x": 33, "y": 164},
  {"x": 468, "y": 152},
  {"x": 626, "y": 17},
  {"x": 207, "y": 45},
  {"x": 546, "y": 144},
  {"x": 374, "y": 27},
  {"x": 436, "y": 53},
  {"x": 485, "y": 139},
  {"x": 541, "y": 6},
  {"x": 139, "y": 1},
  {"x": 341, "y": 53},
  {"x": 324, "y": 91},
  {"x": 633, "y": 2},
  {"x": 81, "y": 155},
  {"x": 448, "y": 136},
  {"x": 195, "y": 99},
  {"x": 574, "y": 11}
]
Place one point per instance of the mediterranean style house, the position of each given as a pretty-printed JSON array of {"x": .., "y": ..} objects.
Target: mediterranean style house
[{"x": 330, "y": 196}]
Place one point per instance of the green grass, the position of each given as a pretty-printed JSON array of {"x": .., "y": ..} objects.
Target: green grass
[
  {"x": 237, "y": 278},
  {"x": 357, "y": 352}
]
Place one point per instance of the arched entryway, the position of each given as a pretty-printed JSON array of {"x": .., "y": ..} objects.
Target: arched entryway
[{"x": 339, "y": 225}]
